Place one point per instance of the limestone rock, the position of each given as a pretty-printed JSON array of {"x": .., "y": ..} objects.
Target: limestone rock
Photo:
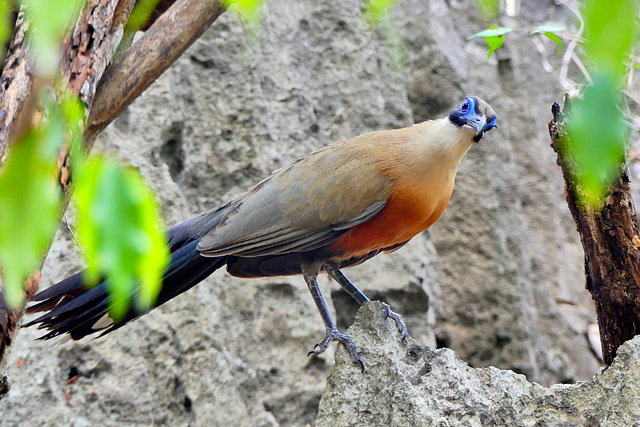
[{"x": 406, "y": 384}]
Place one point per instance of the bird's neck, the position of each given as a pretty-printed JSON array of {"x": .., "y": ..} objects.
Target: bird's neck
[
  {"x": 433, "y": 152},
  {"x": 441, "y": 141}
]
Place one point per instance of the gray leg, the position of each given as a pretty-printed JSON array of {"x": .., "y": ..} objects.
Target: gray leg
[
  {"x": 361, "y": 298},
  {"x": 332, "y": 332}
]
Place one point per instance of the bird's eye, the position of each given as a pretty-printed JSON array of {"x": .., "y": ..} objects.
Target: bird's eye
[{"x": 464, "y": 107}]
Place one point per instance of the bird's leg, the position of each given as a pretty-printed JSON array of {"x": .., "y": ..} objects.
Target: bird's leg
[
  {"x": 332, "y": 332},
  {"x": 362, "y": 298}
]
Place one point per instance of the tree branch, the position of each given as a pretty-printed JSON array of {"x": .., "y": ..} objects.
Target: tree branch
[
  {"x": 148, "y": 57},
  {"x": 15, "y": 82},
  {"x": 86, "y": 53},
  {"x": 611, "y": 241}
]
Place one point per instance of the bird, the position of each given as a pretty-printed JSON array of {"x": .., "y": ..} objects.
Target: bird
[{"x": 335, "y": 208}]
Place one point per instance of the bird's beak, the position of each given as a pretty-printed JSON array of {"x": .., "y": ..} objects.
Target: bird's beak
[{"x": 480, "y": 124}]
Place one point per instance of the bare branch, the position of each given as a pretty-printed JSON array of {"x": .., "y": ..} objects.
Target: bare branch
[
  {"x": 15, "y": 82},
  {"x": 148, "y": 57},
  {"x": 8, "y": 321}
]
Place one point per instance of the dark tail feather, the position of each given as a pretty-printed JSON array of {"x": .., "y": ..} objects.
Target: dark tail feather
[{"x": 72, "y": 308}]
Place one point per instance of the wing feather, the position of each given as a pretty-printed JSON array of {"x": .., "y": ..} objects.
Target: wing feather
[{"x": 309, "y": 204}]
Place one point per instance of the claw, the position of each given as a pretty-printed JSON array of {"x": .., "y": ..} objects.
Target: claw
[
  {"x": 334, "y": 335},
  {"x": 396, "y": 318}
]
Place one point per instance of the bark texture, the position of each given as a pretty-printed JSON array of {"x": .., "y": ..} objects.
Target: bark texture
[
  {"x": 133, "y": 71},
  {"x": 9, "y": 319},
  {"x": 15, "y": 82},
  {"x": 610, "y": 238},
  {"x": 87, "y": 51}
]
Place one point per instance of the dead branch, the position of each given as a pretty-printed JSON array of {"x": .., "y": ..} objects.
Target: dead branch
[
  {"x": 148, "y": 57},
  {"x": 611, "y": 241}
]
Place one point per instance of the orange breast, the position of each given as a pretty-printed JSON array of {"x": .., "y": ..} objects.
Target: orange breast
[{"x": 401, "y": 219}]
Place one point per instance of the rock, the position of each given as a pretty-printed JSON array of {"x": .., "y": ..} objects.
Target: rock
[{"x": 407, "y": 384}]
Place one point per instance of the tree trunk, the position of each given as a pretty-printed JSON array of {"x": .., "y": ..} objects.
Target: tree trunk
[
  {"x": 611, "y": 241},
  {"x": 87, "y": 52}
]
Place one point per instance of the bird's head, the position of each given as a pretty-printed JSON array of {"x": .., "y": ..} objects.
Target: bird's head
[{"x": 474, "y": 113}]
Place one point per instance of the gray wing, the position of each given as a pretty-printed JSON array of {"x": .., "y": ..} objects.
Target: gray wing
[{"x": 302, "y": 207}]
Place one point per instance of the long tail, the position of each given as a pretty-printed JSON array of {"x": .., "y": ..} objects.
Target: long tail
[{"x": 72, "y": 308}]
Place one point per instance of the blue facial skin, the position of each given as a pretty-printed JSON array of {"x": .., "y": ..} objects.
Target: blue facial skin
[{"x": 469, "y": 113}]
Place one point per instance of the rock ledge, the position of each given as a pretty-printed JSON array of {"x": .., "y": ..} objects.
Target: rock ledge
[{"x": 408, "y": 384}]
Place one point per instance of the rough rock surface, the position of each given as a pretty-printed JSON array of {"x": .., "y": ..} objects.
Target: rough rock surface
[
  {"x": 499, "y": 279},
  {"x": 406, "y": 384}
]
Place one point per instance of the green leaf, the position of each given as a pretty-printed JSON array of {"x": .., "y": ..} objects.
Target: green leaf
[
  {"x": 118, "y": 226},
  {"x": 49, "y": 20},
  {"x": 377, "y": 10},
  {"x": 140, "y": 14},
  {"x": 550, "y": 32},
  {"x": 494, "y": 44},
  {"x": 494, "y": 36},
  {"x": 596, "y": 140},
  {"x": 29, "y": 205},
  {"x": 492, "y": 31},
  {"x": 547, "y": 29},
  {"x": 556, "y": 39},
  {"x": 610, "y": 33},
  {"x": 249, "y": 11}
]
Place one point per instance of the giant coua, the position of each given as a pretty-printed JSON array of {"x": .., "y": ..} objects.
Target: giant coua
[{"x": 335, "y": 208}]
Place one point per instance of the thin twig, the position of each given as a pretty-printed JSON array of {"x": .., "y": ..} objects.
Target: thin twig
[
  {"x": 66, "y": 222},
  {"x": 537, "y": 42}
]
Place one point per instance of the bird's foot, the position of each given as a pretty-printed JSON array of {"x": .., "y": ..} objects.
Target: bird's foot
[
  {"x": 396, "y": 318},
  {"x": 334, "y": 335}
]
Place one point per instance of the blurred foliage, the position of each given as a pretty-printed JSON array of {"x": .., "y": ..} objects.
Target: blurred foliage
[
  {"x": 248, "y": 10},
  {"x": 378, "y": 10},
  {"x": 610, "y": 33},
  {"x": 550, "y": 31},
  {"x": 596, "y": 140},
  {"x": 378, "y": 13},
  {"x": 5, "y": 25},
  {"x": 249, "y": 13},
  {"x": 118, "y": 229},
  {"x": 118, "y": 222},
  {"x": 596, "y": 127},
  {"x": 489, "y": 9},
  {"x": 29, "y": 203}
]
